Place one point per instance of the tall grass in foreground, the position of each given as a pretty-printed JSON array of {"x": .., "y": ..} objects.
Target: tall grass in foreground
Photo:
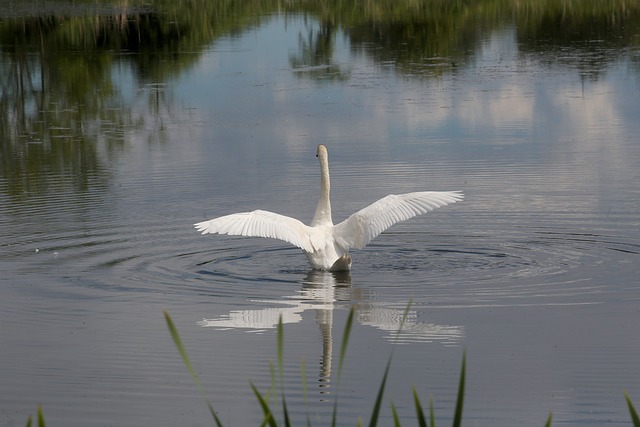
[
  {"x": 269, "y": 418},
  {"x": 41, "y": 422},
  {"x": 269, "y": 415}
]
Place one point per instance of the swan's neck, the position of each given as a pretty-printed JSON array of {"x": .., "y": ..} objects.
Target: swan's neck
[{"x": 323, "y": 210}]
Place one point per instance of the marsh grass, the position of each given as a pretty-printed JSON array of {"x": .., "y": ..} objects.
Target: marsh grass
[
  {"x": 41, "y": 422},
  {"x": 632, "y": 411},
  {"x": 185, "y": 359},
  {"x": 269, "y": 400},
  {"x": 277, "y": 386},
  {"x": 264, "y": 400}
]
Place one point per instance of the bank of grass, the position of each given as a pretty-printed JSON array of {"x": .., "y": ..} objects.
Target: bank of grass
[{"x": 269, "y": 412}]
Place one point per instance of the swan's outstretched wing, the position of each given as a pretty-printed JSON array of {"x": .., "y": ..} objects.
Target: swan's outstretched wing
[
  {"x": 363, "y": 226},
  {"x": 260, "y": 224}
]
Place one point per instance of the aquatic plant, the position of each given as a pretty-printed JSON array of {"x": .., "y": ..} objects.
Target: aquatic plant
[
  {"x": 41, "y": 422},
  {"x": 269, "y": 417}
]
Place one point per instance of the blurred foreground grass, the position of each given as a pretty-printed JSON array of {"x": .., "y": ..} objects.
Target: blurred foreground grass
[
  {"x": 269, "y": 418},
  {"x": 269, "y": 414}
]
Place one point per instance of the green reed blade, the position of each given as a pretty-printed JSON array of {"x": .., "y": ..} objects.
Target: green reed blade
[
  {"x": 334, "y": 413},
  {"x": 345, "y": 341},
  {"x": 287, "y": 421},
  {"x": 343, "y": 352},
  {"x": 183, "y": 353},
  {"x": 274, "y": 388},
  {"x": 457, "y": 418},
  {"x": 28, "y": 421},
  {"x": 305, "y": 392},
  {"x": 396, "y": 419},
  {"x": 632, "y": 411},
  {"x": 432, "y": 413},
  {"x": 185, "y": 359},
  {"x": 548, "y": 423},
  {"x": 422, "y": 422},
  {"x": 280, "y": 338},
  {"x": 303, "y": 372},
  {"x": 376, "y": 407},
  {"x": 41, "y": 422},
  {"x": 405, "y": 315},
  {"x": 280, "y": 343},
  {"x": 268, "y": 415}
]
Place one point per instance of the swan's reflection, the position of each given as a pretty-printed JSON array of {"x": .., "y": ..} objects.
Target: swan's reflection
[{"x": 322, "y": 291}]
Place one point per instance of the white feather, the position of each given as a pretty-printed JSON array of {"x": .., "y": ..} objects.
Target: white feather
[
  {"x": 326, "y": 245},
  {"x": 366, "y": 224},
  {"x": 260, "y": 224}
]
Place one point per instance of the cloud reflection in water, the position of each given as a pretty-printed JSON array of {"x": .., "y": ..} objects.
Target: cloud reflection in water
[{"x": 321, "y": 290}]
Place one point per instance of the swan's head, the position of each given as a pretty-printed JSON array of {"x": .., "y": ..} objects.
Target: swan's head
[{"x": 322, "y": 152}]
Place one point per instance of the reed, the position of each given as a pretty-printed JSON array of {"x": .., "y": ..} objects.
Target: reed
[
  {"x": 41, "y": 422},
  {"x": 632, "y": 411},
  {"x": 185, "y": 359},
  {"x": 277, "y": 379},
  {"x": 269, "y": 417},
  {"x": 277, "y": 386}
]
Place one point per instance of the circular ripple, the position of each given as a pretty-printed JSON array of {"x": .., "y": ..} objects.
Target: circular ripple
[
  {"x": 518, "y": 266},
  {"x": 527, "y": 266}
]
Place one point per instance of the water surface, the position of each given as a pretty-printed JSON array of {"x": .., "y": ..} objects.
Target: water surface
[{"x": 109, "y": 158}]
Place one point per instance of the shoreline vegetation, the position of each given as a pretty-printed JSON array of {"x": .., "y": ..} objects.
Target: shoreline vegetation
[
  {"x": 277, "y": 396},
  {"x": 416, "y": 28},
  {"x": 268, "y": 400},
  {"x": 57, "y": 57},
  {"x": 64, "y": 51},
  {"x": 269, "y": 413}
]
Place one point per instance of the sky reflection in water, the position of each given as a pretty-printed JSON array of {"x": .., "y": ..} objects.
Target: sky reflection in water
[{"x": 535, "y": 274}]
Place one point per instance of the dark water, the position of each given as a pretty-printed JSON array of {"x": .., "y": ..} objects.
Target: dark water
[{"x": 113, "y": 146}]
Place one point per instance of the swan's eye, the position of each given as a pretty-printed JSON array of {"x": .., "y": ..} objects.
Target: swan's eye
[{"x": 316, "y": 155}]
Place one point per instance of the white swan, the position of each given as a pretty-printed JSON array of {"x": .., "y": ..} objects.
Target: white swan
[{"x": 327, "y": 245}]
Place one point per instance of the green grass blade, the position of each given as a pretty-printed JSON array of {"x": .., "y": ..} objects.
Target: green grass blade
[
  {"x": 268, "y": 415},
  {"x": 548, "y": 423},
  {"x": 280, "y": 335},
  {"x": 305, "y": 391},
  {"x": 334, "y": 413},
  {"x": 405, "y": 315},
  {"x": 632, "y": 411},
  {"x": 185, "y": 359},
  {"x": 432, "y": 413},
  {"x": 214, "y": 415},
  {"x": 183, "y": 353},
  {"x": 274, "y": 388},
  {"x": 457, "y": 417},
  {"x": 29, "y": 421},
  {"x": 345, "y": 341},
  {"x": 41, "y": 422},
  {"x": 343, "y": 352},
  {"x": 422, "y": 422},
  {"x": 287, "y": 421},
  {"x": 376, "y": 407},
  {"x": 375, "y": 414},
  {"x": 396, "y": 419},
  {"x": 280, "y": 343}
]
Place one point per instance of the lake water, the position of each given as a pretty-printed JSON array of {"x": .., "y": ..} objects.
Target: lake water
[{"x": 110, "y": 156}]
